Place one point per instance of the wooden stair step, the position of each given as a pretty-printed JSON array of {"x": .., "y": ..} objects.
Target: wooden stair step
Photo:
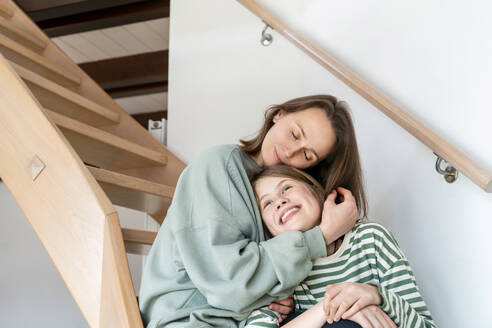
[
  {"x": 64, "y": 101},
  {"x": 138, "y": 241},
  {"x": 21, "y": 36},
  {"x": 139, "y": 194},
  {"x": 103, "y": 149},
  {"x": 6, "y": 10},
  {"x": 29, "y": 59},
  {"x": 137, "y": 236}
]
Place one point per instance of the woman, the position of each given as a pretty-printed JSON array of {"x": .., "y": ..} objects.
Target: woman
[
  {"x": 365, "y": 278},
  {"x": 210, "y": 264}
]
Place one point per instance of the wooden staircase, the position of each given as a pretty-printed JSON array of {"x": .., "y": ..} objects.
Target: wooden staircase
[{"x": 68, "y": 152}]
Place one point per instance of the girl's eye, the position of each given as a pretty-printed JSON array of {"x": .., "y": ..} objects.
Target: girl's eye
[
  {"x": 286, "y": 188},
  {"x": 307, "y": 157},
  {"x": 293, "y": 135},
  {"x": 268, "y": 202}
]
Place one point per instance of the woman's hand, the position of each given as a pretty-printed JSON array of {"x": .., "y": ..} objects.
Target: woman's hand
[
  {"x": 338, "y": 219},
  {"x": 372, "y": 317},
  {"x": 345, "y": 299},
  {"x": 284, "y": 307}
]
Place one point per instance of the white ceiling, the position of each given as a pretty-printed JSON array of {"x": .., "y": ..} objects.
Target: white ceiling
[
  {"x": 144, "y": 104},
  {"x": 120, "y": 41}
]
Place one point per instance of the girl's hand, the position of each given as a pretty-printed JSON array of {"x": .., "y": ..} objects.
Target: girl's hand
[
  {"x": 338, "y": 219},
  {"x": 345, "y": 299},
  {"x": 283, "y": 307},
  {"x": 372, "y": 317}
]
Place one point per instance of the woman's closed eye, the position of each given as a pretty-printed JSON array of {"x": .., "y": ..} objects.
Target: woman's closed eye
[
  {"x": 306, "y": 156},
  {"x": 294, "y": 135}
]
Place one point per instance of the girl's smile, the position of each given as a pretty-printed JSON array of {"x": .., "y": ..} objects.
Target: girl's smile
[
  {"x": 286, "y": 204},
  {"x": 288, "y": 213}
]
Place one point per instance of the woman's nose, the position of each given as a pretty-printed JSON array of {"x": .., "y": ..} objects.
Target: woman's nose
[{"x": 291, "y": 151}]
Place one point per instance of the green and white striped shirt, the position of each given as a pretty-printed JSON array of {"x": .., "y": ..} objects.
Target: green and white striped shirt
[{"x": 369, "y": 254}]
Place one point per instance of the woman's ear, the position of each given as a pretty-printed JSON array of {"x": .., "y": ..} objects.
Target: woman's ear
[{"x": 278, "y": 116}]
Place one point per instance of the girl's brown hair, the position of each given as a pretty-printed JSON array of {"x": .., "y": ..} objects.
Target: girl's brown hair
[
  {"x": 285, "y": 171},
  {"x": 342, "y": 166}
]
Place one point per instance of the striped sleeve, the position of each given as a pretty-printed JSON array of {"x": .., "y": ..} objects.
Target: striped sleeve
[
  {"x": 263, "y": 317},
  {"x": 402, "y": 300}
]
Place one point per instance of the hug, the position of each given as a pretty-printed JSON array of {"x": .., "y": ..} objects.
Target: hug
[{"x": 282, "y": 214}]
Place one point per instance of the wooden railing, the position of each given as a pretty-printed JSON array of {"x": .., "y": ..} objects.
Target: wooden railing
[
  {"x": 68, "y": 152},
  {"x": 418, "y": 129}
]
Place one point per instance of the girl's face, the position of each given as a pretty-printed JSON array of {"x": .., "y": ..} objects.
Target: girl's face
[
  {"x": 299, "y": 139},
  {"x": 286, "y": 204}
]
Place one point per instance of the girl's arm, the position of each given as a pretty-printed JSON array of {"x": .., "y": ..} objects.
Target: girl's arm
[
  {"x": 395, "y": 289},
  {"x": 313, "y": 318},
  {"x": 402, "y": 300},
  {"x": 397, "y": 286}
]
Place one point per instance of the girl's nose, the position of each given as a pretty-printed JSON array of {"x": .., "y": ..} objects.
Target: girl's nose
[{"x": 281, "y": 202}]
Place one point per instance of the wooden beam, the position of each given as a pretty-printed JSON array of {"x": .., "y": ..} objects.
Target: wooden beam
[
  {"x": 47, "y": 9},
  {"x": 137, "y": 90},
  {"x": 115, "y": 15},
  {"x": 132, "y": 75}
]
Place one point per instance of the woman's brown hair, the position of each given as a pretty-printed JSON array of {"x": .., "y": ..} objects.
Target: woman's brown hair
[{"x": 342, "y": 166}]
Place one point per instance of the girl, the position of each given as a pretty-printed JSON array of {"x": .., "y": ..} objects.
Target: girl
[
  {"x": 365, "y": 277},
  {"x": 210, "y": 264}
]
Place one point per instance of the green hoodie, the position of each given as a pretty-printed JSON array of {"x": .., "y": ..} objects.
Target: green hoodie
[{"x": 210, "y": 265}]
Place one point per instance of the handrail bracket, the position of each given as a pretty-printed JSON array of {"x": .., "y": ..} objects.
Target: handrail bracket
[{"x": 450, "y": 173}]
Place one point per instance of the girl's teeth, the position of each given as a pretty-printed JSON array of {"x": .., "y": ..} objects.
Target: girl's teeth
[{"x": 288, "y": 212}]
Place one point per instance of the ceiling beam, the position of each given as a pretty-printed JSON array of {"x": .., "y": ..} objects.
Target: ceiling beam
[
  {"x": 46, "y": 9},
  {"x": 88, "y": 15},
  {"x": 131, "y": 75},
  {"x": 138, "y": 90}
]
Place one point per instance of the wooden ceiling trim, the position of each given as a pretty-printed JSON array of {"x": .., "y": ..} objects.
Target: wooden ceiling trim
[
  {"x": 131, "y": 75},
  {"x": 47, "y": 9},
  {"x": 137, "y": 90},
  {"x": 104, "y": 18}
]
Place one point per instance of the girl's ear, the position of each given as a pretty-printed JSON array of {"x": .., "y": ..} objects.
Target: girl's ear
[{"x": 278, "y": 116}]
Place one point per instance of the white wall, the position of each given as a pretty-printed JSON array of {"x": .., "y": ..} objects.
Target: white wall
[
  {"x": 32, "y": 292},
  {"x": 430, "y": 57}
]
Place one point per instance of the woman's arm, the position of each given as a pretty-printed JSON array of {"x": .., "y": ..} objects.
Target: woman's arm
[
  {"x": 216, "y": 235},
  {"x": 263, "y": 318},
  {"x": 338, "y": 219}
]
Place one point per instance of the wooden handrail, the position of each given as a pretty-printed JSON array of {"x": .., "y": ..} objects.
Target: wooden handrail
[{"x": 440, "y": 146}]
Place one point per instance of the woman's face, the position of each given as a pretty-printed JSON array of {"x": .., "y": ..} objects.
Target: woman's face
[
  {"x": 299, "y": 139},
  {"x": 286, "y": 204}
]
